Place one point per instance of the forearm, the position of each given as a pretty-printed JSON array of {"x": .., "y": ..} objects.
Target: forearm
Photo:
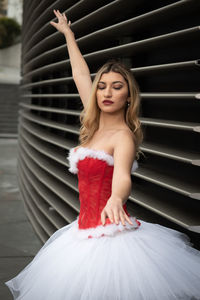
[
  {"x": 78, "y": 63},
  {"x": 121, "y": 189}
]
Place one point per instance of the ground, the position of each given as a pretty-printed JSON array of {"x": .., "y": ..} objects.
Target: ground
[{"x": 18, "y": 241}]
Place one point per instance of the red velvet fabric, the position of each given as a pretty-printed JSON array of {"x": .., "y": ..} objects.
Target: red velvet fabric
[{"x": 95, "y": 185}]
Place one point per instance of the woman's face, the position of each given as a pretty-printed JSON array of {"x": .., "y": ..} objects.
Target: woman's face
[{"x": 112, "y": 92}]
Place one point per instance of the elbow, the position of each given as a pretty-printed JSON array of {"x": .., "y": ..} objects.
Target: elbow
[
  {"x": 75, "y": 73},
  {"x": 126, "y": 181},
  {"x": 126, "y": 178}
]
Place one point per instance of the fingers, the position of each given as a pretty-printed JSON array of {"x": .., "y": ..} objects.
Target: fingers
[
  {"x": 59, "y": 15},
  {"x": 56, "y": 13},
  {"x": 105, "y": 214},
  {"x": 54, "y": 24},
  {"x": 62, "y": 21},
  {"x": 103, "y": 217},
  {"x": 122, "y": 218},
  {"x": 115, "y": 216},
  {"x": 64, "y": 16},
  {"x": 128, "y": 219},
  {"x": 110, "y": 215},
  {"x": 69, "y": 23}
]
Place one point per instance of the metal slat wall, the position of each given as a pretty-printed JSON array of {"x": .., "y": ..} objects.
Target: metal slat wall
[{"x": 159, "y": 41}]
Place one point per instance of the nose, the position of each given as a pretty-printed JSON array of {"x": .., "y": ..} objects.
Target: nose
[{"x": 108, "y": 92}]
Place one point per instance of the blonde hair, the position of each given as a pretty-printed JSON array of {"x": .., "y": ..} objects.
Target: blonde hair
[{"x": 90, "y": 115}]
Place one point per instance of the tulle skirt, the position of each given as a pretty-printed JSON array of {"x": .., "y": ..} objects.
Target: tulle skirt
[{"x": 151, "y": 262}]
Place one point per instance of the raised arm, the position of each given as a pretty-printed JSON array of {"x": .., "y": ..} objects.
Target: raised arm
[{"x": 80, "y": 70}]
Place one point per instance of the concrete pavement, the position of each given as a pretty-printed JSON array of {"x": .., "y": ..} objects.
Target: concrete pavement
[{"x": 18, "y": 241}]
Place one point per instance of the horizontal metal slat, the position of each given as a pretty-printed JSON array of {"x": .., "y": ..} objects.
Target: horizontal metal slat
[
  {"x": 53, "y": 201},
  {"x": 182, "y": 96},
  {"x": 126, "y": 49},
  {"x": 169, "y": 182},
  {"x": 39, "y": 204},
  {"x": 50, "y": 96},
  {"x": 34, "y": 11},
  {"x": 144, "y": 121},
  {"x": 50, "y": 109},
  {"x": 140, "y": 22},
  {"x": 139, "y": 71},
  {"x": 172, "y": 212},
  {"x": 172, "y": 153},
  {"x": 45, "y": 224},
  {"x": 54, "y": 81},
  {"x": 77, "y": 25},
  {"x": 44, "y": 149},
  {"x": 29, "y": 10},
  {"x": 170, "y": 67},
  {"x": 171, "y": 96},
  {"x": 42, "y": 18},
  {"x": 62, "y": 194},
  {"x": 171, "y": 124},
  {"x": 50, "y": 123},
  {"x": 44, "y": 172},
  {"x": 142, "y": 45},
  {"x": 125, "y": 28},
  {"x": 44, "y": 32},
  {"x": 38, "y": 229},
  {"x": 50, "y": 169},
  {"x": 46, "y": 136}
]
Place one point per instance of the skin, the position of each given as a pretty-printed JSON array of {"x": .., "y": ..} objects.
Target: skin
[
  {"x": 112, "y": 86},
  {"x": 113, "y": 131}
]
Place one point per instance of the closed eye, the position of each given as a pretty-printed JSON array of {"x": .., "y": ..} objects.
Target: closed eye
[{"x": 117, "y": 87}]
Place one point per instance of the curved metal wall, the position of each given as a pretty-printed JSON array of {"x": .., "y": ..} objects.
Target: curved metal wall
[{"x": 159, "y": 40}]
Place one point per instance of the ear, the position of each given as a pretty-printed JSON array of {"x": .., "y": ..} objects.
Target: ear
[{"x": 128, "y": 99}]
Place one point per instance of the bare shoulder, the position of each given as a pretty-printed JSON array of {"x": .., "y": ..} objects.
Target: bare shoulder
[
  {"x": 124, "y": 143},
  {"x": 123, "y": 137},
  {"x": 124, "y": 151}
]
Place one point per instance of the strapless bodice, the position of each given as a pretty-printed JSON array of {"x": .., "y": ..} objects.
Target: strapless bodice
[{"x": 95, "y": 171}]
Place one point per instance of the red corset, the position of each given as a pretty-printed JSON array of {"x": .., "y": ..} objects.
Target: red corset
[
  {"x": 95, "y": 182},
  {"x": 95, "y": 171}
]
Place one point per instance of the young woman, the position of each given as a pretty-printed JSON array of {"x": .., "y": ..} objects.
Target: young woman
[{"x": 106, "y": 254}]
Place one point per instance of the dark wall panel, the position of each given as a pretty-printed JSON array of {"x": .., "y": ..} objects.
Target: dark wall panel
[{"x": 160, "y": 42}]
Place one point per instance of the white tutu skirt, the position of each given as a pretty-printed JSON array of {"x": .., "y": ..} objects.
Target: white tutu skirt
[{"x": 151, "y": 262}]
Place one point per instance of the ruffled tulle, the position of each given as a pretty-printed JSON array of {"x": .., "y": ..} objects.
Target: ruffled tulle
[
  {"x": 108, "y": 230},
  {"x": 152, "y": 262}
]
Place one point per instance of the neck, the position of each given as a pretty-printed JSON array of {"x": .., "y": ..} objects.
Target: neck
[{"x": 111, "y": 121}]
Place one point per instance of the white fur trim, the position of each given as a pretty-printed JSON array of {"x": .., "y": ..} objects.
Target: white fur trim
[
  {"x": 82, "y": 152},
  {"x": 134, "y": 166},
  {"x": 107, "y": 230}
]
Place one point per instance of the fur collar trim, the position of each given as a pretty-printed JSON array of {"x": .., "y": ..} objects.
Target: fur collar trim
[{"x": 81, "y": 152}]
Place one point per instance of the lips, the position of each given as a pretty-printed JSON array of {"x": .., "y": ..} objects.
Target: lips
[{"x": 107, "y": 102}]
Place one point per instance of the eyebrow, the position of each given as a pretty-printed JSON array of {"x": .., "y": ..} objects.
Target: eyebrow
[{"x": 112, "y": 82}]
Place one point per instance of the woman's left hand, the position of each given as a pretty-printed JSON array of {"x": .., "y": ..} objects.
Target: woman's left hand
[{"x": 115, "y": 212}]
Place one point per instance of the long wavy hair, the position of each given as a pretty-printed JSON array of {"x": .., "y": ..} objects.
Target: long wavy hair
[{"x": 90, "y": 115}]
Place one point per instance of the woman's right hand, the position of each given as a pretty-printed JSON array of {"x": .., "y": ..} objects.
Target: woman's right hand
[{"x": 63, "y": 25}]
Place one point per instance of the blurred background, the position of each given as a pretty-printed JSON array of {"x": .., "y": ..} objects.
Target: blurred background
[
  {"x": 18, "y": 241},
  {"x": 10, "y": 58},
  {"x": 40, "y": 108}
]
